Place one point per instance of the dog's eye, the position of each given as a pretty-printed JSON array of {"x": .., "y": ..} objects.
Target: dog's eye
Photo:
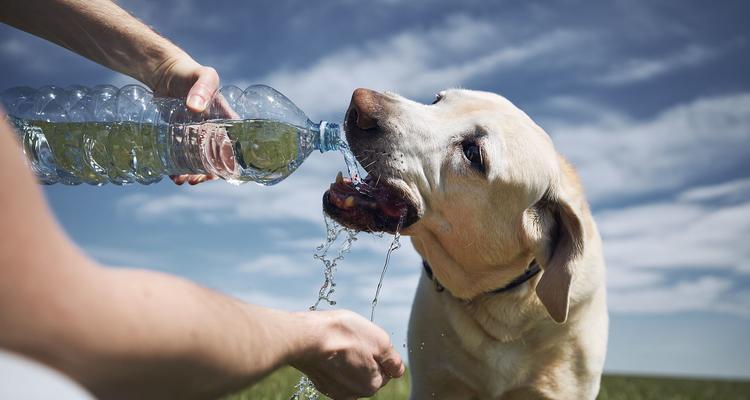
[
  {"x": 438, "y": 97},
  {"x": 473, "y": 154}
]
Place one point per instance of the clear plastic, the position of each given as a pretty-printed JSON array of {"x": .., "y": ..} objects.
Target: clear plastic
[{"x": 104, "y": 134}]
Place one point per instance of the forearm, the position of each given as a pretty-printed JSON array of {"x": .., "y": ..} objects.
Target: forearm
[
  {"x": 98, "y": 30},
  {"x": 175, "y": 339}
]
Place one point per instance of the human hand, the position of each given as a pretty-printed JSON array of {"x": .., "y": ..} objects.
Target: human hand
[
  {"x": 348, "y": 356},
  {"x": 181, "y": 76}
]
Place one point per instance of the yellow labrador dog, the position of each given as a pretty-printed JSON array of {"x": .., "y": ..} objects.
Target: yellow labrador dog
[{"x": 511, "y": 304}]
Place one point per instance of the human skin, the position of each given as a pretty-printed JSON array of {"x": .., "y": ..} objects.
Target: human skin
[{"x": 127, "y": 333}]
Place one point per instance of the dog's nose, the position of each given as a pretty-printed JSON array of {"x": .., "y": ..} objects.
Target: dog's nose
[{"x": 365, "y": 108}]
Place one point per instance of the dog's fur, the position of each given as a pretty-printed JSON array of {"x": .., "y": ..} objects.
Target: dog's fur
[{"x": 545, "y": 339}]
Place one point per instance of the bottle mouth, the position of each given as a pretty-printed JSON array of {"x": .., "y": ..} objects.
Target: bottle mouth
[{"x": 330, "y": 136}]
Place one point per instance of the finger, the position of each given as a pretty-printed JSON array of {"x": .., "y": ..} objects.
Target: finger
[
  {"x": 196, "y": 179},
  {"x": 178, "y": 179},
  {"x": 391, "y": 364},
  {"x": 203, "y": 89}
]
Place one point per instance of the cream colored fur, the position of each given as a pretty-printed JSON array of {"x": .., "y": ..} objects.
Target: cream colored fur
[{"x": 543, "y": 340}]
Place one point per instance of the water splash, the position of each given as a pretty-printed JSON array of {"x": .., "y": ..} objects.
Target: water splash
[
  {"x": 305, "y": 390},
  {"x": 333, "y": 231},
  {"x": 395, "y": 245}
]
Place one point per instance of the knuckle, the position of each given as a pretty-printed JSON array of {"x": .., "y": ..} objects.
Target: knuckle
[{"x": 209, "y": 72}]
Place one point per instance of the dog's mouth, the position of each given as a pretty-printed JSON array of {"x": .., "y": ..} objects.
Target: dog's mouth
[{"x": 369, "y": 206}]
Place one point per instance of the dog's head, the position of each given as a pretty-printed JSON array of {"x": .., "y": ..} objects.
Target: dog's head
[{"x": 477, "y": 184}]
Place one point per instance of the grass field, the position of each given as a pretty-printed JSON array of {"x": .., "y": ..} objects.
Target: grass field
[{"x": 279, "y": 387}]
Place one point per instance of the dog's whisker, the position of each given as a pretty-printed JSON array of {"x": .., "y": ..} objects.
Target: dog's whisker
[{"x": 366, "y": 166}]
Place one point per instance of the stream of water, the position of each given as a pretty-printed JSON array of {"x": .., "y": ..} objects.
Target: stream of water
[{"x": 395, "y": 245}]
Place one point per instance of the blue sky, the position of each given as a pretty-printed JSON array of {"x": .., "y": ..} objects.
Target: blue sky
[{"x": 649, "y": 99}]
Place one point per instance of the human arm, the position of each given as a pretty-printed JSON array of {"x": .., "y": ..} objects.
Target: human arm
[
  {"x": 105, "y": 33},
  {"x": 127, "y": 333}
]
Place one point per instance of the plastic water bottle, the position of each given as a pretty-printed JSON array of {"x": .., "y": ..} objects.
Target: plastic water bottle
[{"x": 104, "y": 134}]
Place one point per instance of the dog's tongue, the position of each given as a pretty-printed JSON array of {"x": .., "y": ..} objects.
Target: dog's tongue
[{"x": 346, "y": 196}]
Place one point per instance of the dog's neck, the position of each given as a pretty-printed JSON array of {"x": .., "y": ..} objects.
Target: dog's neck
[{"x": 529, "y": 273}]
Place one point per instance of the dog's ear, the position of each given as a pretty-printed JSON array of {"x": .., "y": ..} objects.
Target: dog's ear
[{"x": 565, "y": 244}]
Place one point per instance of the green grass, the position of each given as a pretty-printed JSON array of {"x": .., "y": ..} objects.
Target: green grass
[
  {"x": 618, "y": 387},
  {"x": 279, "y": 386}
]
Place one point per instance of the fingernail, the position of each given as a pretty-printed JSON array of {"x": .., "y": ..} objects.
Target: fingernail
[{"x": 196, "y": 102}]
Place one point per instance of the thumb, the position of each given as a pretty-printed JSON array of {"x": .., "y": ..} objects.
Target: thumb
[
  {"x": 391, "y": 363},
  {"x": 203, "y": 89}
]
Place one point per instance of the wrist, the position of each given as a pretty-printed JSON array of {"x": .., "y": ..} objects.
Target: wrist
[
  {"x": 309, "y": 329},
  {"x": 159, "y": 76}
]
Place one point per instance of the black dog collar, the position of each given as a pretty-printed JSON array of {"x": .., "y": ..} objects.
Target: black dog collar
[{"x": 532, "y": 270}]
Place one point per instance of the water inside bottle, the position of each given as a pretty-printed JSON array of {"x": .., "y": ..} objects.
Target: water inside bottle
[
  {"x": 262, "y": 151},
  {"x": 267, "y": 151}
]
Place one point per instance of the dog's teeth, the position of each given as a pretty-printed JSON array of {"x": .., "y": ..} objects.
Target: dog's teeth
[
  {"x": 339, "y": 178},
  {"x": 349, "y": 202}
]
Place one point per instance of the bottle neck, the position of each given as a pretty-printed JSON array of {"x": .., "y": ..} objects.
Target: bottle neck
[{"x": 329, "y": 136}]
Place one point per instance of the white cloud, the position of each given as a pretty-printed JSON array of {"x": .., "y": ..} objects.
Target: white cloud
[
  {"x": 637, "y": 70},
  {"x": 621, "y": 158},
  {"x": 678, "y": 236},
  {"x": 26, "y": 52},
  {"x": 13, "y": 48},
  {"x": 622, "y": 278},
  {"x": 736, "y": 190},
  {"x": 178, "y": 13},
  {"x": 416, "y": 62},
  {"x": 703, "y": 294},
  {"x": 649, "y": 248}
]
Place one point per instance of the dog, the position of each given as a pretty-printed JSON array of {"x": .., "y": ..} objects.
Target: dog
[{"x": 511, "y": 303}]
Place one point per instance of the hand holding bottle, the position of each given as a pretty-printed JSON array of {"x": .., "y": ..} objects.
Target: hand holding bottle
[{"x": 182, "y": 77}]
